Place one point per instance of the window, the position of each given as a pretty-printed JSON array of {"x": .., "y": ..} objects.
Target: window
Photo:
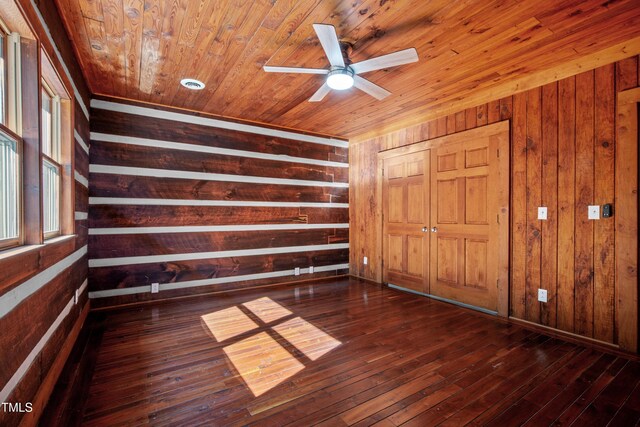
[
  {"x": 3, "y": 78},
  {"x": 10, "y": 186},
  {"x": 51, "y": 169}
]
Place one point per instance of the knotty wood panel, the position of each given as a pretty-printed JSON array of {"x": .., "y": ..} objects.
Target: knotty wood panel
[
  {"x": 468, "y": 53},
  {"x": 562, "y": 145},
  {"x": 131, "y": 215}
]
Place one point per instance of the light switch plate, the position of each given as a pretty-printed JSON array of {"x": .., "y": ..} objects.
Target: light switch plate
[
  {"x": 542, "y": 212},
  {"x": 155, "y": 288},
  {"x": 594, "y": 212},
  {"x": 542, "y": 295},
  {"x": 76, "y": 296}
]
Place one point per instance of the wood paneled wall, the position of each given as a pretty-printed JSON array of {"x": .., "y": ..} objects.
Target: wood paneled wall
[
  {"x": 39, "y": 316},
  {"x": 562, "y": 156},
  {"x": 201, "y": 205}
]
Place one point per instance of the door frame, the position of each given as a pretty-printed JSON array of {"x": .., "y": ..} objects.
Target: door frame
[{"x": 501, "y": 130}]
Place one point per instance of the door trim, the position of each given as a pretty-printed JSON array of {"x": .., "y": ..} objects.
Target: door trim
[{"x": 496, "y": 129}]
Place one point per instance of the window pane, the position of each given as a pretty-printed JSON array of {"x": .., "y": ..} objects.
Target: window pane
[
  {"x": 3, "y": 87},
  {"x": 46, "y": 124},
  {"x": 9, "y": 184},
  {"x": 51, "y": 197}
]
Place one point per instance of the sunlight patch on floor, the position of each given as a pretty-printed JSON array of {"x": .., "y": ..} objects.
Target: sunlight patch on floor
[
  {"x": 267, "y": 309},
  {"x": 262, "y": 362},
  {"x": 307, "y": 338},
  {"x": 228, "y": 323}
]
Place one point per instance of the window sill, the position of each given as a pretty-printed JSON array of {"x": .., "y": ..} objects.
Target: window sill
[{"x": 25, "y": 249}]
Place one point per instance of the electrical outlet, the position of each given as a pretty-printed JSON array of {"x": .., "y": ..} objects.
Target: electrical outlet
[
  {"x": 311, "y": 269},
  {"x": 76, "y": 296},
  {"x": 155, "y": 288},
  {"x": 594, "y": 212},
  {"x": 296, "y": 271},
  {"x": 542, "y": 295},
  {"x": 366, "y": 260},
  {"x": 542, "y": 213}
]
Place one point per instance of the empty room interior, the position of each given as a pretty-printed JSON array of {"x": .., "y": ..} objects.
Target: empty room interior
[{"x": 319, "y": 212}]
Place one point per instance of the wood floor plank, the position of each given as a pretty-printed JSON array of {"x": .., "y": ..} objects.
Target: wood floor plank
[{"x": 343, "y": 352}]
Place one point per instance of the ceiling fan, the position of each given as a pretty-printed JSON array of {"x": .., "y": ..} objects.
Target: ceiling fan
[{"x": 343, "y": 74}]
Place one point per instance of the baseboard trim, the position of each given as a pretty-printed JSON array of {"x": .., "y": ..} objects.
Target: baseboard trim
[{"x": 41, "y": 398}]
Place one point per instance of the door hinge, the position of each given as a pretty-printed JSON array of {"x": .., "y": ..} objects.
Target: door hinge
[
  {"x": 498, "y": 153},
  {"x": 498, "y": 218}
]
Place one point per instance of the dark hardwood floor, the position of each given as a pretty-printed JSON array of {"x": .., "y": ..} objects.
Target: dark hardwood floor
[{"x": 344, "y": 353}]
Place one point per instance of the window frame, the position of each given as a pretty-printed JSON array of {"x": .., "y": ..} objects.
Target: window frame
[
  {"x": 19, "y": 239},
  {"x": 55, "y": 150}
]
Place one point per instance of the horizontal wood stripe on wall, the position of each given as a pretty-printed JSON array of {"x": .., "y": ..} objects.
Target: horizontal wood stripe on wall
[
  {"x": 81, "y": 141},
  {"x": 206, "y": 121},
  {"x": 210, "y": 228},
  {"x": 11, "y": 299},
  {"x": 188, "y": 202},
  {"x": 215, "y": 281},
  {"x": 110, "y": 262},
  {"x": 81, "y": 179},
  {"x": 182, "y": 174},
  {"x": 108, "y": 153},
  {"x": 110, "y": 246},
  {"x": 157, "y": 143},
  {"x": 104, "y": 216},
  {"x": 81, "y": 216},
  {"x": 114, "y": 185}
]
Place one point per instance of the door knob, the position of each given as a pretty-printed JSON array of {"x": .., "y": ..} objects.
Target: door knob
[
  {"x": 434, "y": 229},
  {"x": 425, "y": 229}
]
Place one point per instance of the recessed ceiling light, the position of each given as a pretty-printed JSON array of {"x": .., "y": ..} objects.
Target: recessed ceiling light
[{"x": 192, "y": 84}]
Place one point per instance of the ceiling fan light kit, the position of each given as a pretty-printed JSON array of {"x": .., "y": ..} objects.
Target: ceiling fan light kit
[
  {"x": 340, "y": 78},
  {"x": 343, "y": 74}
]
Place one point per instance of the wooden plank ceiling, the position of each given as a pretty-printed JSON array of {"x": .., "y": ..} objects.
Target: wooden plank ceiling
[{"x": 140, "y": 49}]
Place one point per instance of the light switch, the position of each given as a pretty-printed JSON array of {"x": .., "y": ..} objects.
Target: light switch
[
  {"x": 542, "y": 212},
  {"x": 594, "y": 212}
]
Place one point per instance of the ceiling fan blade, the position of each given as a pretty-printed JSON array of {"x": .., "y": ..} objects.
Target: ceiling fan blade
[
  {"x": 370, "y": 88},
  {"x": 320, "y": 93},
  {"x": 394, "y": 59},
  {"x": 329, "y": 41},
  {"x": 270, "y": 69}
]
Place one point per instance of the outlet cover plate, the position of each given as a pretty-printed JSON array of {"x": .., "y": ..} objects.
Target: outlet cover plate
[
  {"x": 366, "y": 260},
  {"x": 155, "y": 288},
  {"x": 542, "y": 295},
  {"x": 296, "y": 271},
  {"x": 594, "y": 212},
  {"x": 542, "y": 212},
  {"x": 311, "y": 269}
]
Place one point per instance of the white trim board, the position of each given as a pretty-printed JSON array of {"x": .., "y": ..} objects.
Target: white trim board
[
  {"x": 205, "y": 176},
  {"x": 15, "y": 296},
  {"x": 215, "y": 281},
  {"x": 217, "y": 123},
  {"x": 26, "y": 364},
  {"x": 80, "y": 141},
  {"x": 59, "y": 55},
  {"x": 148, "y": 259},
  {"x": 81, "y": 179},
  {"x": 210, "y": 228},
  {"x": 191, "y": 202},
  {"x": 154, "y": 143}
]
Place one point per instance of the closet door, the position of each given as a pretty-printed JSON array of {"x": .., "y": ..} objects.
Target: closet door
[
  {"x": 466, "y": 195},
  {"x": 405, "y": 220}
]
